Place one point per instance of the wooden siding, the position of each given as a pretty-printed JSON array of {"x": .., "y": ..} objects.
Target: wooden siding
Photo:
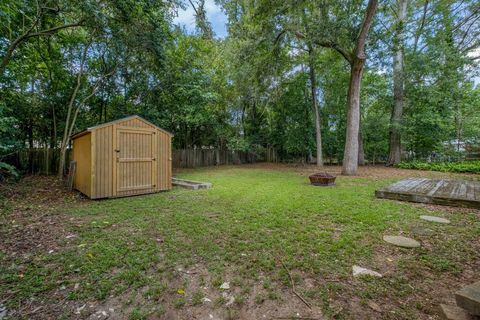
[
  {"x": 103, "y": 162},
  {"x": 82, "y": 154},
  {"x": 136, "y": 123},
  {"x": 165, "y": 161}
]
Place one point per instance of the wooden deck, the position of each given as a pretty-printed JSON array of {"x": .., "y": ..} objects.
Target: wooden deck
[{"x": 455, "y": 193}]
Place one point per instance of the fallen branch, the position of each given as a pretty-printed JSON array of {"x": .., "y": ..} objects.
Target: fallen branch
[{"x": 293, "y": 287}]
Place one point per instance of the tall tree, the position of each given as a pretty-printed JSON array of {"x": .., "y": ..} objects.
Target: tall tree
[
  {"x": 75, "y": 106},
  {"x": 316, "y": 111},
  {"x": 357, "y": 62},
  {"x": 395, "y": 144},
  {"x": 356, "y": 59}
]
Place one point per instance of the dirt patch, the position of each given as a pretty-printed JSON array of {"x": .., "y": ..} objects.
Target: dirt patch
[
  {"x": 32, "y": 225},
  {"x": 192, "y": 294},
  {"x": 32, "y": 220}
]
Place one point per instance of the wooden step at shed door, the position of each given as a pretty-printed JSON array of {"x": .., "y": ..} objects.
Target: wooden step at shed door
[{"x": 136, "y": 163}]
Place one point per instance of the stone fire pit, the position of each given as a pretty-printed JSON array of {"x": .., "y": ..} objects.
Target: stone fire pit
[{"x": 322, "y": 179}]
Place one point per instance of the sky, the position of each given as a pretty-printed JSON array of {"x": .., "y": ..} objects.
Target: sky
[{"x": 215, "y": 16}]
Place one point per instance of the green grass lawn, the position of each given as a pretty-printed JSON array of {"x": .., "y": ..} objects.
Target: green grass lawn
[{"x": 253, "y": 228}]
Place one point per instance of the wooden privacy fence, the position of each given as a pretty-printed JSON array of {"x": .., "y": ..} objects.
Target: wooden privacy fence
[
  {"x": 191, "y": 158},
  {"x": 36, "y": 161},
  {"x": 45, "y": 160}
]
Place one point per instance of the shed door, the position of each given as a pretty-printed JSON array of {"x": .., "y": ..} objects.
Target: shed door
[{"x": 135, "y": 169}]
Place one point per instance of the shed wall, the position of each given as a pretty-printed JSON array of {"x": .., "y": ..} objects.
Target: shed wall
[
  {"x": 103, "y": 158},
  {"x": 82, "y": 154}
]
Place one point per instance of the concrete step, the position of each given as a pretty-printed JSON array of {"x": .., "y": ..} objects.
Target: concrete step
[
  {"x": 189, "y": 184},
  {"x": 468, "y": 298},
  {"x": 450, "y": 312}
]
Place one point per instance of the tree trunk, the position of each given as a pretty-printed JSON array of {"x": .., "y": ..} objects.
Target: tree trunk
[
  {"x": 54, "y": 128},
  {"x": 350, "y": 156},
  {"x": 357, "y": 61},
  {"x": 313, "y": 88},
  {"x": 63, "y": 156},
  {"x": 395, "y": 143},
  {"x": 67, "y": 131},
  {"x": 361, "y": 151}
]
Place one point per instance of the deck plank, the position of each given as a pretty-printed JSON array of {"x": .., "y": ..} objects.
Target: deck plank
[
  {"x": 477, "y": 191},
  {"x": 458, "y": 193},
  {"x": 470, "y": 190},
  {"x": 407, "y": 184}
]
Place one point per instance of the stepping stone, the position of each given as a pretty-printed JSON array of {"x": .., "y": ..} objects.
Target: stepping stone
[
  {"x": 468, "y": 298},
  {"x": 360, "y": 271},
  {"x": 403, "y": 242},
  {"x": 450, "y": 312},
  {"x": 421, "y": 231},
  {"x": 435, "y": 219},
  {"x": 225, "y": 286}
]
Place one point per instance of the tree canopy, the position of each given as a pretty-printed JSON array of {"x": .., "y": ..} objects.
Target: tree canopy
[{"x": 340, "y": 81}]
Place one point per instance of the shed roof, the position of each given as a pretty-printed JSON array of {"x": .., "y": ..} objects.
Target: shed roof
[{"x": 89, "y": 129}]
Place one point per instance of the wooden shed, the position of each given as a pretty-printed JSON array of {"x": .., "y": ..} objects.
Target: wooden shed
[{"x": 121, "y": 158}]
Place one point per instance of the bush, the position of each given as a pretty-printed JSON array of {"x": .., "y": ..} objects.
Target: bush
[
  {"x": 463, "y": 167},
  {"x": 7, "y": 171}
]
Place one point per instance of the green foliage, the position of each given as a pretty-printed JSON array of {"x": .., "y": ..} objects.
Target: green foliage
[
  {"x": 464, "y": 167},
  {"x": 238, "y": 144},
  {"x": 8, "y": 140},
  {"x": 292, "y": 127},
  {"x": 248, "y": 91},
  {"x": 7, "y": 171}
]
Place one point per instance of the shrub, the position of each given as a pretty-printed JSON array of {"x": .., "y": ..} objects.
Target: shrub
[
  {"x": 463, "y": 167},
  {"x": 7, "y": 171}
]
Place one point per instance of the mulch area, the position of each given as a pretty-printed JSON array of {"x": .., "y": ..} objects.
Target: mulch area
[{"x": 32, "y": 218}]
